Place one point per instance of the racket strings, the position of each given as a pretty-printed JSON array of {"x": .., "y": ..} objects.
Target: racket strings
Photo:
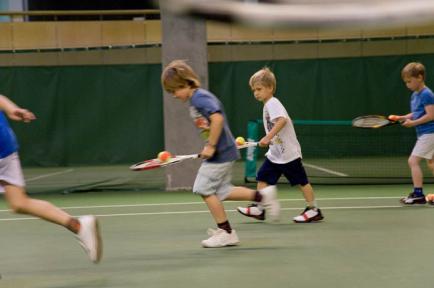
[{"x": 370, "y": 122}]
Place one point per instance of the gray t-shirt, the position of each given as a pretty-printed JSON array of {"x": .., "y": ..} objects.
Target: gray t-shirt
[{"x": 202, "y": 105}]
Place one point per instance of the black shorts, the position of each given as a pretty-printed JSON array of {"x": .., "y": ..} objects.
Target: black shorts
[{"x": 293, "y": 171}]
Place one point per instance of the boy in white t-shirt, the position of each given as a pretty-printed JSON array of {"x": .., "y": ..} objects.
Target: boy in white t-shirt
[{"x": 284, "y": 153}]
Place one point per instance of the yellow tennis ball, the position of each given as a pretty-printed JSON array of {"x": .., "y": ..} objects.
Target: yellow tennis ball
[
  {"x": 240, "y": 141},
  {"x": 164, "y": 156}
]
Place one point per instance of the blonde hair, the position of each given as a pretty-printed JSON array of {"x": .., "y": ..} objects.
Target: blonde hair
[
  {"x": 413, "y": 69},
  {"x": 178, "y": 74},
  {"x": 263, "y": 77}
]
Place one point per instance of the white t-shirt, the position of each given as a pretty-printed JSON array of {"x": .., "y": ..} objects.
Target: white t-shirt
[{"x": 284, "y": 147}]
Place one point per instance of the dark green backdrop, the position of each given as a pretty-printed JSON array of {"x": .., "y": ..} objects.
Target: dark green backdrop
[{"x": 113, "y": 114}]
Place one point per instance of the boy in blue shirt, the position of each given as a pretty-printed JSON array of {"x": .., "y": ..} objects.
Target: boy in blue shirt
[
  {"x": 422, "y": 118},
  {"x": 213, "y": 180},
  {"x": 12, "y": 184}
]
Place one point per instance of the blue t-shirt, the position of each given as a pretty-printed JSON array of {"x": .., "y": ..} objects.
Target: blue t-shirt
[
  {"x": 418, "y": 102},
  {"x": 202, "y": 105},
  {"x": 8, "y": 141}
]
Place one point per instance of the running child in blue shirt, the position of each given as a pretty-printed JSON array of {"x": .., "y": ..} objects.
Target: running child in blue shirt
[
  {"x": 213, "y": 180},
  {"x": 422, "y": 118},
  {"x": 12, "y": 185}
]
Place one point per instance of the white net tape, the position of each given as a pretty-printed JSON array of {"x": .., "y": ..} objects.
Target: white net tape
[{"x": 310, "y": 13}]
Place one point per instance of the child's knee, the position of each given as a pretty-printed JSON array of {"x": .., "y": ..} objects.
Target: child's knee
[
  {"x": 18, "y": 205},
  {"x": 413, "y": 161}
]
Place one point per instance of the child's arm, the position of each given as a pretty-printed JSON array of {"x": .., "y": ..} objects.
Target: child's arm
[
  {"x": 400, "y": 117},
  {"x": 215, "y": 129},
  {"x": 14, "y": 112},
  {"x": 280, "y": 122},
  {"x": 429, "y": 116}
]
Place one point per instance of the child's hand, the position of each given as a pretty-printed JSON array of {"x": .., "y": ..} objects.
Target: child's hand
[
  {"x": 207, "y": 152},
  {"x": 408, "y": 123},
  {"x": 264, "y": 142},
  {"x": 20, "y": 114}
]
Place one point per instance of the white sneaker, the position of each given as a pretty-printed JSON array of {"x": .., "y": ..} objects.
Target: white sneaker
[
  {"x": 89, "y": 237},
  {"x": 253, "y": 210},
  {"x": 270, "y": 202},
  {"x": 220, "y": 238},
  {"x": 309, "y": 215}
]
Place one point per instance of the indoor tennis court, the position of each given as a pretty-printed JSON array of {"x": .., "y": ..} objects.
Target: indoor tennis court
[
  {"x": 152, "y": 238},
  {"x": 91, "y": 72}
]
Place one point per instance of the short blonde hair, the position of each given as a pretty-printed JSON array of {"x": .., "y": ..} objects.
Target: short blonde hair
[
  {"x": 178, "y": 74},
  {"x": 263, "y": 77},
  {"x": 413, "y": 69}
]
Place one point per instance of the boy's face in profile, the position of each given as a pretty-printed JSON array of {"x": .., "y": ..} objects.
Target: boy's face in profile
[
  {"x": 414, "y": 83},
  {"x": 262, "y": 93},
  {"x": 183, "y": 93}
]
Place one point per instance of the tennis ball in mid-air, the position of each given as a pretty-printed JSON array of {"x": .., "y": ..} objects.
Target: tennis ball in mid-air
[
  {"x": 240, "y": 141},
  {"x": 164, "y": 156},
  {"x": 430, "y": 198}
]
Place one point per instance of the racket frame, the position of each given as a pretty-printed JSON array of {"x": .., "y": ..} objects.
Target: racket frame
[
  {"x": 156, "y": 163},
  {"x": 383, "y": 121}
]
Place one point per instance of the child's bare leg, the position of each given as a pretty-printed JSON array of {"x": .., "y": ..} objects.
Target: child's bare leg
[
  {"x": 216, "y": 208},
  {"x": 261, "y": 185},
  {"x": 430, "y": 164},
  {"x": 416, "y": 171},
  {"x": 308, "y": 194},
  {"x": 241, "y": 193},
  {"x": 20, "y": 203}
]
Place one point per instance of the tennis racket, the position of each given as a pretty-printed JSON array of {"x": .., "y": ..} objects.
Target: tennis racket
[
  {"x": 247, "y": 145},
  {"x": 373, "y": 121},
  {"x": 156, "y": 163}
]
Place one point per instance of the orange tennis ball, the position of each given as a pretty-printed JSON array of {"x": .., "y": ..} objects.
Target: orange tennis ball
[
  {"x": 430, "y": 198},
  {"x": 393, "y": 117},
  {"x": 240, "y": 141},
  {"x": 164, "y": 156}
]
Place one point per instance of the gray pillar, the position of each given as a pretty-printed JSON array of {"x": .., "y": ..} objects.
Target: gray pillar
[{"x": 183, "y": 38}]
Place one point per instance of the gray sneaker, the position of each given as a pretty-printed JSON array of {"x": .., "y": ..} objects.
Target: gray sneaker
[
  {"x": 270, "y": 202},
  {"x": 89, "y": 237}
]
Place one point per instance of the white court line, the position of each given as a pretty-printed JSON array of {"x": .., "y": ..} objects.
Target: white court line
[
  {"x": 199, "y": 203},
  {"x": 325, "y": 170},
  {"x": 204, "y": 211},
  {"x": 49, "y": 175}
]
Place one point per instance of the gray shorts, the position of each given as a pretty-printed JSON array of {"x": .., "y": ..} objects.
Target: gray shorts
[
  {"x": 424, "y": 147},
  {"x": 11, "y": 172},
  {"x": 214, "y": 178}
]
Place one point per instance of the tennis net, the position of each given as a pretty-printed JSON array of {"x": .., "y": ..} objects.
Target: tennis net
[{"x": 336, "y": 153}]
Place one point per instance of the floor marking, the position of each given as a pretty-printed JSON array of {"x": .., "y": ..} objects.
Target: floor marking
[
  {"x": 325, "y": 170},
  {"x": 49, "y": 175},
  {"x": 206, "y": 211},
  {"x": 200, "y": 202}
]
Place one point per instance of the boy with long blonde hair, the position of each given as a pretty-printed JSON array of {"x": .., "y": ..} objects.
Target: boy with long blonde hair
[{"x": 213, "y": 180}]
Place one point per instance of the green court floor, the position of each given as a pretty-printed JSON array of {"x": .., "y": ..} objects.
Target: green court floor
[{"x": 152, "y": 239}]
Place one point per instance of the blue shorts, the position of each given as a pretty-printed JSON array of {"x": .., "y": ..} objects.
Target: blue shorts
[{"x": 294, "y": 171}]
